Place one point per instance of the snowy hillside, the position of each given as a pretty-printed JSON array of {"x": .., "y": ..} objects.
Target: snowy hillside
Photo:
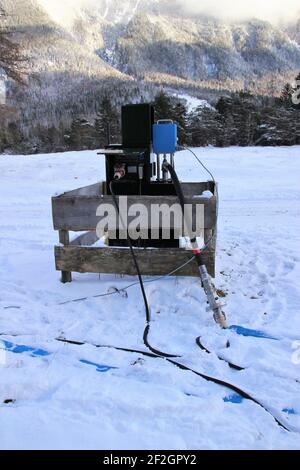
[
  {"x": 80, "y": 50},
  {"x": 54, "y": 395}
]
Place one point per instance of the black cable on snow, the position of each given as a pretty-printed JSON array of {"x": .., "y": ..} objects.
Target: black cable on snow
[
  {"x": 124, "y": 289},
  {"x": 231, "y": 364},
  {"x": 156, "y": 354},
  {"x": 206, "y": 377},
  {"x": 80, "y": 343},
  {"x": 147, "y": 309},
  {"x": 169, "y": 357}
]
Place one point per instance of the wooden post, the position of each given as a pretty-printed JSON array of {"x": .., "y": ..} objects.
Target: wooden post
[
  {"x": 210, "y": 239},
  {"x": 64, "y": 239}
]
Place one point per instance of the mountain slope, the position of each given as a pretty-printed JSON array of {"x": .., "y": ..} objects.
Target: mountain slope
[
  {"x": 141, "y": 37},
  {"x": 205, "y": 50},
  {"x": 79, "y": 50},
  {"x": 66, "y": 75}
]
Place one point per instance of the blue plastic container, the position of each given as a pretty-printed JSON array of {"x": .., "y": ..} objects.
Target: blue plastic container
[{"x": 164, "y": 137}]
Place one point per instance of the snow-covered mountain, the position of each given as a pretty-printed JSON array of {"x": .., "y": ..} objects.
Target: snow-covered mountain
[
  {"x": 76, "y": 47},
  {"x": 113, "y": 11},
  {"x": 156, "y": 40},
  {"x": 159, "y": 39}
]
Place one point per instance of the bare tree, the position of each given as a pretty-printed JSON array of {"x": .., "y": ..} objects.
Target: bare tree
[
  {"x": 11, "y": 67},
  {"x": 11, "y": 59}
]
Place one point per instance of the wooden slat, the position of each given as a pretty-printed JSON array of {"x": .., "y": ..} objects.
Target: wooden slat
[
  {"x": 196, "y": 189},
  {"x": 91, "y": 190},
  {"x": 79, "y": 213},
  {"x": 100, "y": 189},
  {"x": 119, "y": 261}
]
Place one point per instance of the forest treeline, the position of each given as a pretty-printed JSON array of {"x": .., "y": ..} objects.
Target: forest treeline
[
  {"x": 41, "y": 116},
  {"x": 240, "y": 119}
]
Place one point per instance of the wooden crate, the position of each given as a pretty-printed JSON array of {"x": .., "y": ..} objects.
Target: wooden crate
[{"x": 76, "y": 211}]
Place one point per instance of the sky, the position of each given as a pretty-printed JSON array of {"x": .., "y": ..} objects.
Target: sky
[{"x": 270, "y": 10}]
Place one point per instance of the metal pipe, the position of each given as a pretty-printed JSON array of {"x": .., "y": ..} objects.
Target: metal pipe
[
  {"x": 208, "y": 286},
  {"x": 158, "y": 167},
  {"x": 172, "y": 160},
  {"x": 164, "y": 169}
]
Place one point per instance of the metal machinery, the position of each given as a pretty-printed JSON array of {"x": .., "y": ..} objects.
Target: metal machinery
[
  {"x": 136, "y": 168},
  {"x": 136, "y": 164}
]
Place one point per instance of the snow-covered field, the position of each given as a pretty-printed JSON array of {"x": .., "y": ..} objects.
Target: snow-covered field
[{"x": 142, "y": 403}]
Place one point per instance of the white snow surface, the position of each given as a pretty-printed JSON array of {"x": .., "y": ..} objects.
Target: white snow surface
[
  {"x": 192, "y": 102},
  {"x": 146, "y": 403}
]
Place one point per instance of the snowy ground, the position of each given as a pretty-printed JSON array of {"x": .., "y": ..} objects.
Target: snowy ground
[
  {"x": 192, "y": 102},
  {"x": 146, "y": 403}
]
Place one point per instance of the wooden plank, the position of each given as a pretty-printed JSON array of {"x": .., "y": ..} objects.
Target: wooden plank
[
  {"x": 86, "y": 239},
  {"x": 152, "y": 262},
  {"x": 100, "y": 189},
  {"x": 91, "y": 190},
  {"x": 79, "y": 213},
  {"x": 189, "y": 189},
  {"x": 196, "y": 189}
]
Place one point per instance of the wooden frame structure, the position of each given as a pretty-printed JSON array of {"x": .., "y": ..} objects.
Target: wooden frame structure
[{"x": 76, "y": 211}]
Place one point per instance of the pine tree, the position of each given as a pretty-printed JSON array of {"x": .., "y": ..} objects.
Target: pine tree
[
  {"x": 227, "y": 109},
  {"x": 278, "y": 126},
  {"x": 223, "y": 105},
  {"x": 107, "y": 124},
  {"x": 246, "y": 121},
  {"x": 11, "y": 60},
  {"x": 239, "y": 113},
  {"x": 14, "y": 136},
  {"x": 287, "y": 95},
  {"x": 179, "y": 116},
  {"x": 229, "y": 136},
  {"x": 168, "y": 107},
  {"x": 205, "y": 127},
  {"x": 3, "y": 139},
  {"x": 82, "y": 135},
  {"x": 163, "y": 106}
]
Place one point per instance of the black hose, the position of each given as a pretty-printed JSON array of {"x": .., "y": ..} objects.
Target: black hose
[
  {"x": 170, "y": 357},
  {"x": 231, "y": 364},
  {"x": 209, "y": 378},
  {"x": 180, "y": 195},
  {"x": 136, "y": 264}
]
